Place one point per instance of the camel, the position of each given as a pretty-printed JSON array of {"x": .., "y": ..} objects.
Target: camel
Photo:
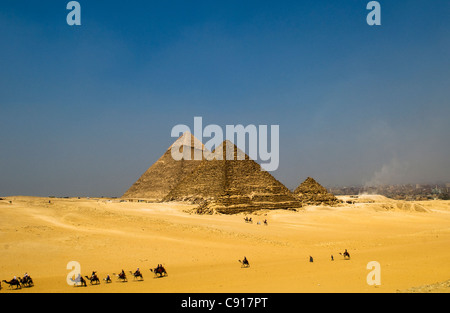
[
  {"x": 244, "y": 262},
  {"x": 27, "y": 281},
  {"x": 107, "y": 279},
  {"x": 13, "y": 282},
  {"x": 137, "y": 275},
  {"x": 345, "y": 254},
  {"x": 122, "y": 277},
  {"x": 80, "y": 280},
  {"x": 160, "y": 270},
  {"x": 93, "y": 279}
]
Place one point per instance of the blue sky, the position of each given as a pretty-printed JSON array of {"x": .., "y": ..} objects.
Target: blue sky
[{"x": 87, "y": 109}]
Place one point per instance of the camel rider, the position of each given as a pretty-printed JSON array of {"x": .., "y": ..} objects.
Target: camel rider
[
  {"x": 137, "y": 273},
  {"x": 26, "y": 277},
  {"x": 245, "y": 261}
]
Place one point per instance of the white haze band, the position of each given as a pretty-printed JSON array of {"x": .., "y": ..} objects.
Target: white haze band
[{"x": 258, "y": 148}]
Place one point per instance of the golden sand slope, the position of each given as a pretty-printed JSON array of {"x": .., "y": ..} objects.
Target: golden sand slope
[{"x": 201, "y": 253}]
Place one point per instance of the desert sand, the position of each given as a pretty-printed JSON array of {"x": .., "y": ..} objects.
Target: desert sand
[{"x": 410, "y": 240}]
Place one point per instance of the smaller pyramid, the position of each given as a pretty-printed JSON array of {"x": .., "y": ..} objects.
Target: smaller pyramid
[
  {"x": 310, "y": 192},
  {"x": 165, "y": 173}
]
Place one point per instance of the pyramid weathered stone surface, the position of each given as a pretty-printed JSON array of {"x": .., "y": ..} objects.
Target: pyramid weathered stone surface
[
  {"x": 229, "y": 185},
  {"x": 165, "y": 173},
  {"x": 311, "y": 192}
]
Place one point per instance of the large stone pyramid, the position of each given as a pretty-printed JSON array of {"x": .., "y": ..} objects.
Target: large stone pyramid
[
  {"x": 165, "y": 173},
  {"x": 311, "y": 192},
  {"x": 229, "y": 185}
]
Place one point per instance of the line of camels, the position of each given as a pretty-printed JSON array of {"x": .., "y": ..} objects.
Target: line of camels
[
  {"x": 19, "y": 282},
  {"x": 27, "y": 281},
  {"x": 79, "y": 281},
  {"x": 159, "y": 272}
]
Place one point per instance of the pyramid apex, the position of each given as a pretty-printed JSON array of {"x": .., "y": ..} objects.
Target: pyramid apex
[
  {"x": 227, "y": 150},
  {"x": 227, "y": 141},
  {"x": 187, "y": 139}
]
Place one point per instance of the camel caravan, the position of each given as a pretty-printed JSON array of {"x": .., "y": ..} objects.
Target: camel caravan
[
  {"x": 79, "y": 281},
  {"x": 26, "y": 281},
  {"x": 159, "y": 271}
]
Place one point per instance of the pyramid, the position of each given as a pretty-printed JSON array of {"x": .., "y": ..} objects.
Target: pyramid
[
  {"x": 230, "y": 184},
  {"x": 311, "y": 192},
  {"x": 165, "y": 173}
]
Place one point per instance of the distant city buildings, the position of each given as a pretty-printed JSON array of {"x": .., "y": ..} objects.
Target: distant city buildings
[{"x": 399, "y": 192}]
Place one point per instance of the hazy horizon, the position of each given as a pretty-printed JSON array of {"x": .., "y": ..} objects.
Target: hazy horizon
[{"x": 87, "y": 109}]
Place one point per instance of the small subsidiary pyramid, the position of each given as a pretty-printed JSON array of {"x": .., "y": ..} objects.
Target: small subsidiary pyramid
[
  {"x": 232, "y": 183},
  {"x": 311, "y": 192},
  {"x": 165, "y": 173}
]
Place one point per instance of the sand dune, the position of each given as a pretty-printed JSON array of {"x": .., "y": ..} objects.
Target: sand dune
[{"x": 410, "y": 241}]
